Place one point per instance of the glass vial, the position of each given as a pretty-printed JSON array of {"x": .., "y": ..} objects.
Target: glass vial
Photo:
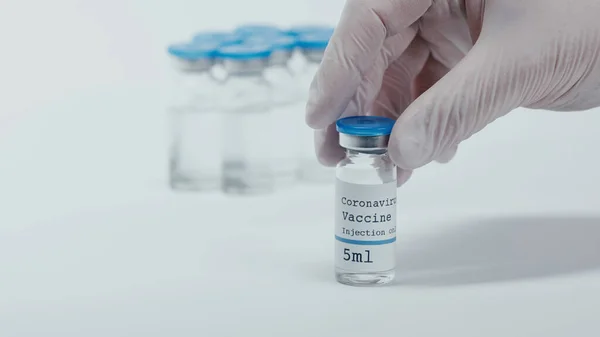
[
  {"x": 257, "y": 29},
  {"x": 365, "y": 203},
  {"x": 298, "y": 61},
  {"x": 312, "y": 47},
  {"x": 285, "y": 113},
  {"x": 222, "y": 39},
  {"x": 248, "y": 126},
  {"x": 193, "y": 116}
]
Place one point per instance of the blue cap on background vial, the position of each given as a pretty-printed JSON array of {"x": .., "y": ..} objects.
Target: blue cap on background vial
[
  {"x": 365, "y": 126},
  {"x": 309, "y": 29},
  {"x": 193, "y": 51},
  {"x": 314, "y": 41},
  {"x": 257, "y": 29},
  {"x": 245, "y": 51},
  {"x": 277, "y": 42},
  {"x": 222, "y": 38}
]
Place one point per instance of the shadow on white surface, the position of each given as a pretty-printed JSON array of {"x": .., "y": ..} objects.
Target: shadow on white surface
[{"x": 501, "y": 249}]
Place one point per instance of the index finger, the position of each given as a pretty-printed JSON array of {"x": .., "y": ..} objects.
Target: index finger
[{"x": 352, "y": 50}]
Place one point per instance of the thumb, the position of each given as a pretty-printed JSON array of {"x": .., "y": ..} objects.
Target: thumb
[{"x": 480, "y": 88}]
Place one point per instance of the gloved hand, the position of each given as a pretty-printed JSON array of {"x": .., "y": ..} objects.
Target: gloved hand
[{"x": 447, "y": 68}]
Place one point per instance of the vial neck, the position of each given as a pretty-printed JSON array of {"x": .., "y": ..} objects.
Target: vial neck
[
  {"x": 243, "y": 68},
  {"x": 313, "y": 55},
  {"x": 365, "y": 153},
  {"x": 192, "y": 77},
  {"x": 245, "y": 74},
  {"x": 199, "y": 66},
  {"x": 364, "y": 144},
  {"x": 280, "y": 58}
]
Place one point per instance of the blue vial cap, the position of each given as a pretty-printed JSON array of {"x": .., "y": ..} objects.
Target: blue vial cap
[
  {"x": 310, "y": 29},
  {"x": 245, "y": 51},
  {"x": 277, "y": 42},
  {"x": 257, "y": 29},
  {"x": 313, "y": 40},
  {"x": 195, "y": 51},
  {"x": 366, "y": 126},
  {"x": 222, "y": 38}
]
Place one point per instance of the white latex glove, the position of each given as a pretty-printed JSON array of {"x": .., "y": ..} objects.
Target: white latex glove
[{"x": 447, "y": 68}]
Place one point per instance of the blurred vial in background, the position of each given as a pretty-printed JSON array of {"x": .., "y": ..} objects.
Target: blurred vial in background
[
  {"x": 194, "y": 160},
  {"x": 309, "y": 29},
  {"x": 222, "y": 39},
  {"x": 253, "y": 30},
  {"x": 248, "y": 126},
  {"x": 312, "y": 46},
  {"x": 298, "y": 61},
  {"x": 287, "y": 115}
]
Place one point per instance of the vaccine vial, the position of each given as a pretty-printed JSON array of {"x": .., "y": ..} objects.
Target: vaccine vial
[
  {"x": 298, "y": 62},
  {"x": 285, "y": 109},
  {"x": 257, "y": 29},
  {"x": 193, "y": 117},
  {"x": 309, "y": 29},
  {"x": 312, "y": 46},
  {"x": 312, "y": 43},
  {"x": 365, "y": 203},
  {"x": 221, "y": 39},
  {"x": 248, "y": 126}
]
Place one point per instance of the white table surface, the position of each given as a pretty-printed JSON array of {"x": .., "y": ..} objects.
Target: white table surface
[{"x": 504, "y": 241}]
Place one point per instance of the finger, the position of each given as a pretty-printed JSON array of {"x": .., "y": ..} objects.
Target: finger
[
  {"x": 403, "y": 176},
  {"x": 447, "y": 155},
  {"x": 327, "y": 147},
  {"x": 395, "y": 93},
  {"x": 474, "y": 12},
  {"x": 481, "y": 88},
  {"x": 431, "y": 73},
  {"x": 403, "y": 69},
  {"x": 354, "y": 47},
  {"x": 368, "y": 90}
]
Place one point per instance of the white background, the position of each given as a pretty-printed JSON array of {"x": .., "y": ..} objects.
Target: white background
[{"x": 504, "y": 241}]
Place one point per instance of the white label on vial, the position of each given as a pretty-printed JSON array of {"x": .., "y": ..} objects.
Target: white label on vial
[{"x": 365, "y": 227}]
